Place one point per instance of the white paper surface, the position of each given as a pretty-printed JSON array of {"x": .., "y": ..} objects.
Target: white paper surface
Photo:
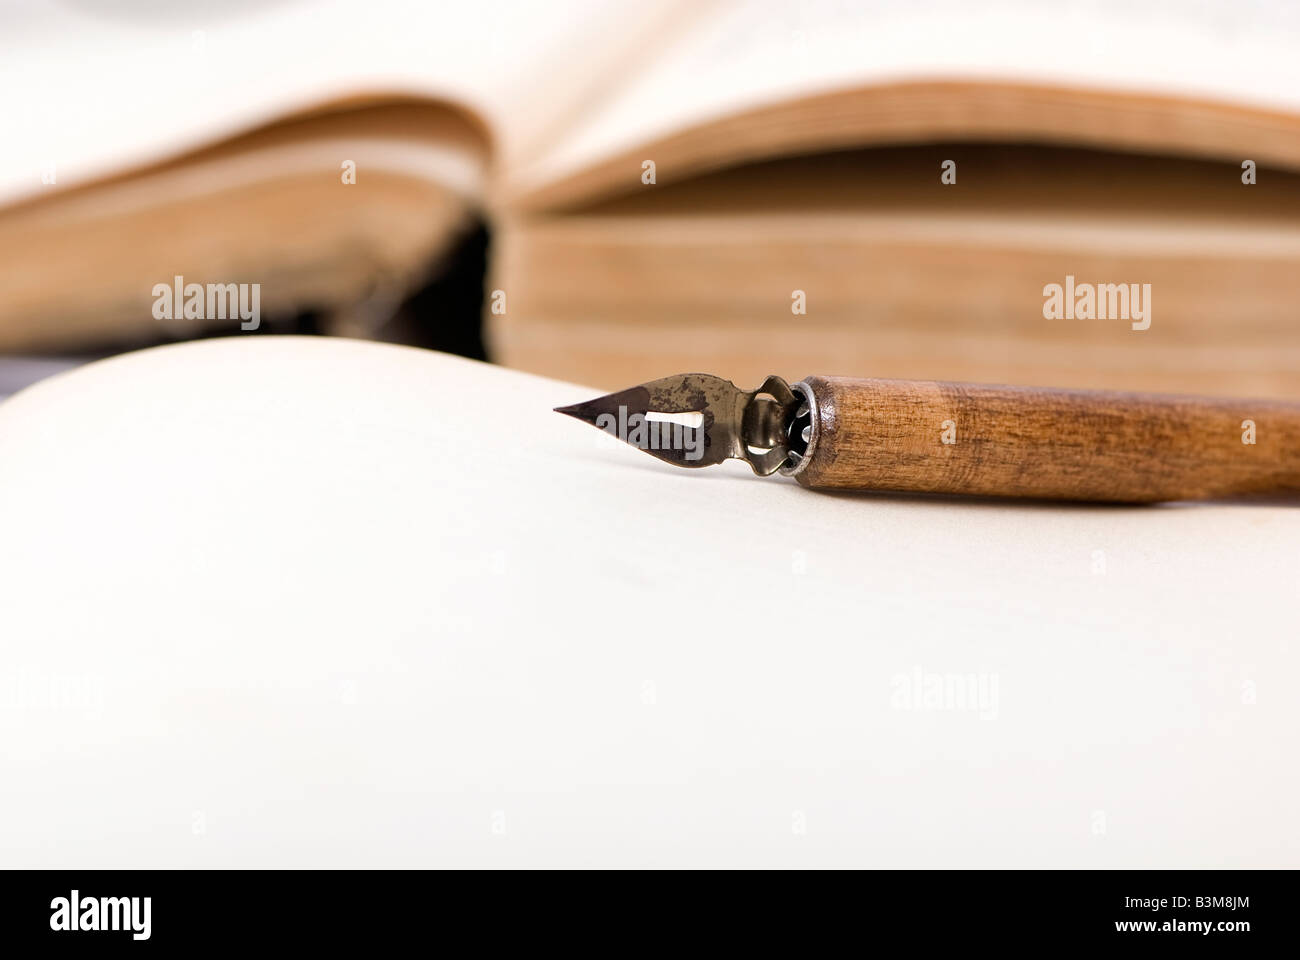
[{"x": 302, "y": 602}]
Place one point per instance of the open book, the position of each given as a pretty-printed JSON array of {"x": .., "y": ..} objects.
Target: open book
[
  {"x": 683, "y": 185},
  {"x": 320, "y": 602}
]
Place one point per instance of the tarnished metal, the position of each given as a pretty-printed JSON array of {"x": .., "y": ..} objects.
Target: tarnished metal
[
  {"x": 734, "y": 424},
  {"x": 801, "y": 431}
]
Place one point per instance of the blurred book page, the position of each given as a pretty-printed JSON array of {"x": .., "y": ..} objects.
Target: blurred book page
[
  {"x": 745, "y": 54},
  {"x": 93, "y": 89}
]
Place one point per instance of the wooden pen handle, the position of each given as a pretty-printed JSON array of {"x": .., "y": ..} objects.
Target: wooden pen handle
[{"x": 1001, "y": 441}]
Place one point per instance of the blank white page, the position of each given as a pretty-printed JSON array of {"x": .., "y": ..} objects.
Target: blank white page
[{"x": 307, "y": 602}]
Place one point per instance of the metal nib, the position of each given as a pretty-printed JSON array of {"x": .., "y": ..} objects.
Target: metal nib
[{"x": 696, "y": 420}]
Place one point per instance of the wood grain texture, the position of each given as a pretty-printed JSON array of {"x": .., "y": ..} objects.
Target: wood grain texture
[{"x": 1047, "y": 443}]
